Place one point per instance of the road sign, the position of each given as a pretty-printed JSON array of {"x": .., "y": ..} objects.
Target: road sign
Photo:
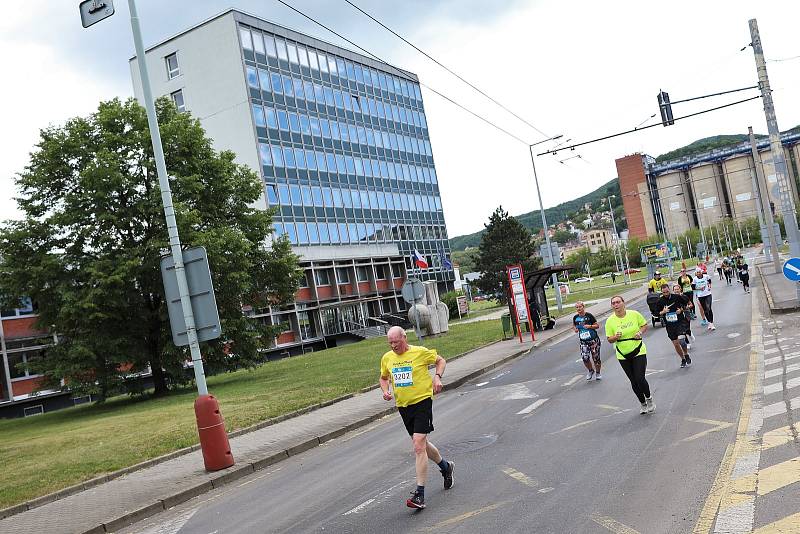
[
  {"x": 93, "y": 11},
  {"x": 201, "y": 294},
  {"x": 413, "y": 291},
  {"x": 791, "y": 269}
]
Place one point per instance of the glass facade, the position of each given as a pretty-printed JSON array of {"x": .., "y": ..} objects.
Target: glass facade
[{"x": 344, "y": 149}]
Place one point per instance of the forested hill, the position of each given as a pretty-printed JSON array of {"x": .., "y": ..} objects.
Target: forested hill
[{"x": 533, "y": 220}]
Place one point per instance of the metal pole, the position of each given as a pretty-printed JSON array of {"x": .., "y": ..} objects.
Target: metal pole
[
  {"x": 762, "y": 225},
  {"x": 761, "y": 191},
  {"x": 778, "y": 160},
  {"x": 616, "y": 235},
  {"x": 553, "y": 278},
  {"x": 169, "y": 210}
]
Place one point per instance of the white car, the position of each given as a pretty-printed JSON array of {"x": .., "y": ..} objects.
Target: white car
[{"x": 583, "y": 279}]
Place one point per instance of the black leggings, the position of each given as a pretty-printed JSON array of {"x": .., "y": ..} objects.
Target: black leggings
[
  {"x": 745, "y": 280},
  {"x": 635, "y": 369},
  {"x": 705, "y": 302}
]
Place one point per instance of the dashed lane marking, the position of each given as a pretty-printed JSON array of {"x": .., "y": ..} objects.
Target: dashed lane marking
[
  {"x": 577, "y": 425},
  {"x": 779, "y": 436},
  {"x": 613, "y": 525},
  {"x": 481, "y": 384},
  {"x": 572, "y": 380},
  {"x": 528, "y": 409},
  {"x": 653, "y": 372},
  {"x": 731, "y": 349},
  {"x": 360, "y": 507},
  {"x": 778, "y": 386},
  {"x": 731, "y": 374},
  {"x": 516, "y": 392},
  {"x": 546, "y": 490},
  {"x": 778, "y": 476},
  {"x": 462, "y": 517},
  {"x": 787, "y": 525},
  {"x": 377, "y": 498},
  {"x": 717, "y": 426},
  {"x": 608, "y": 407},
  {"x": 520, "y": 477}
]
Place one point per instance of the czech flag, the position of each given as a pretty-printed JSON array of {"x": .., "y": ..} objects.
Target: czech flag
[{"x": 419, "y": 260}]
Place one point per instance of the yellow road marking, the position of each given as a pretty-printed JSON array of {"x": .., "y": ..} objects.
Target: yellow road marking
[
  {"x": 520, "y": 477},
  {"x": 613, "y": 525},
  {"x": 462, "y": 517},
  {"x": 577, "y": 425},
  {"x": 709, "y": 511},
  {"x": 775, "y": 438},
  {"x": 778, "y": 476},
  {"x": 717, "y": 426},
  {"x": 787, "y": 525}
]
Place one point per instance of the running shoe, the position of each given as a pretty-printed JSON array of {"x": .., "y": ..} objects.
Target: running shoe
[
  {"x": 448, "y": 476},
  {"x": 589, "y": 375},
  {"x": 416, "y": 501},
  {"x": 598, "y": 376},
  {"x": 703, "y": 322},
  {"x": 711, "y": 326},
  {"x": 651, "y": 406},
  {"x": 644, "y": 408},
  {"x": 688, "y": 360},
  {"x": 683, "y": 363}
]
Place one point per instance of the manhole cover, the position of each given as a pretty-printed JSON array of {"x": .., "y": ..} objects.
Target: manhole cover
[{"x": 468, "y": 445}]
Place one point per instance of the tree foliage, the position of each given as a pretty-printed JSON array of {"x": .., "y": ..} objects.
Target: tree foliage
[
  {"x": 93, "y": 233},
  {"x": 505, "y": 242}
]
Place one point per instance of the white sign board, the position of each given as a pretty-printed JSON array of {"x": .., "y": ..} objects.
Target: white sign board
[
  {"x": 772, "y": 178},
  {"x": 741, "y": 197},
  {"x": 522, "y": 309},
  {"x": 463, "y": 304},
  {"x": 674, "y": 206},
  {"x": 709, "y": 202}
]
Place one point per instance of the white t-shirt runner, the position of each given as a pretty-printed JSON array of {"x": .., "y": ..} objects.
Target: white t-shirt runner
[{"x": 702, "y": 285}]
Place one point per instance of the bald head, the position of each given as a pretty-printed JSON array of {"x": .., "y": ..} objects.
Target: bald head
[{"x": 397, "y": 339}]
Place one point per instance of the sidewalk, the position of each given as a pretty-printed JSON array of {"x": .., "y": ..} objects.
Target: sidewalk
[
  {"x": 129, "y": 498},
  {"x": 781, "y": 293}
]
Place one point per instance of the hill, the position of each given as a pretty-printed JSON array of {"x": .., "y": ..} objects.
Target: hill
[{"x": 533, "y": 220}]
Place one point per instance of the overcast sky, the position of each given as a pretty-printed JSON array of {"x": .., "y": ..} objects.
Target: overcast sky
[{"x": 583, "y": 69}]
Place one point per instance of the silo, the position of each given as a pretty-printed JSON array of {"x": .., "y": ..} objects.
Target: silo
[
  {"x": 672, "y": 192},
  {"x": 739, "y": 173},
  {"x": 707, "y": 197}
]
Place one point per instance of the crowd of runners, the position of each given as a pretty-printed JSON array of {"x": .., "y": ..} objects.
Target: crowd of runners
[{"x": 405, "y": 375}]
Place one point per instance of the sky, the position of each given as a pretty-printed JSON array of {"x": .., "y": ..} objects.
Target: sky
[{"x": 582, "y": 69}]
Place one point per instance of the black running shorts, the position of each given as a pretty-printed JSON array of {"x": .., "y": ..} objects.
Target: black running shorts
[
  {"x": 418, "y": 417},
  {"x": 673, "y": 332}
]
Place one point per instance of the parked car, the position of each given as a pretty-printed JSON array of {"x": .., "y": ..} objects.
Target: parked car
[
  {"x": 631, "y": 271},
  {"x": 583, "y": 279}
]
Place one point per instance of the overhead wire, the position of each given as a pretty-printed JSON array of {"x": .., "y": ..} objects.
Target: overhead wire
[{"x": 375, "y": 56}]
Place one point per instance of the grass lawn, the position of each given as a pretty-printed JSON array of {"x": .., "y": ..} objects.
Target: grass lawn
[{"x": 46, "y": 453}]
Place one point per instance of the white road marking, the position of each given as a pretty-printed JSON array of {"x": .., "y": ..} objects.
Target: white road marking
[
  {"x": 520, "y": 477},
  {"x": 777, "y": 372},
  {"x": 376, "y": 498},
  {"x": 173, "y": 525},
  {"x": 731, "y": 349},
  {"x": 531, "y": 407},
  {"x": 572, "y": 380},
  {"x": 778, "y": 386},
  {"x": 577, "y": 425},
  {"x": 733, "y": 335},
  {"x": 516, "y": 392},
  {"x": 609, "y": 407},
  {"x": 481, "y": 384},
  {"x": 653, "y": 371},
  {"x": 786, "y": 357},
  {"x": 779, "y": 408},
  {"x": 771, "y": 351},
  {"x": 495, "y": 377},
  {"x": 359, "y": 507},
  {"x": 546, "y": 490}
]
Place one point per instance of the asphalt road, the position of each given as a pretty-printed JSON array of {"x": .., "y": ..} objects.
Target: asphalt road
[{"x": 537, "y": 449}]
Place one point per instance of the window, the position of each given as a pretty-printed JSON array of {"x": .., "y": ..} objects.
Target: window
[
  {"x": 18, "y": 363},
  {"x": 343, "y": 274},
  {"x": 247, "y": 40},
  {"x": 323, "y": 277},
  {"x": 177, "y": 98},
  {"x": 272, "y": 195},
  {"x": 380, "y": 272},
  {"x": 252, "y": 77},
  {"x": 361, "y": 274},
  {"x": 258, "y": 43},
  {"x": 258, "y": 115}
]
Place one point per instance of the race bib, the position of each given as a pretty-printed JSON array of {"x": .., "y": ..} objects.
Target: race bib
[
  {"x": 401, "y": 376},
  {"x": 585, "y": 335},
  {"x": 672, "y": 317}
]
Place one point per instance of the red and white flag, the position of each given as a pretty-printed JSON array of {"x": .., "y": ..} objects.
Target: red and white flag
[{"x": 419, "y": 260}]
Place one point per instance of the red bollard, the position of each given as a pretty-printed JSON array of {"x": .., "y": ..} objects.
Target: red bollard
[{"x": 213, "y": 438}]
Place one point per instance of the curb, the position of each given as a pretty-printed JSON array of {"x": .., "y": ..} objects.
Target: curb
[
  {"x": 772, "y": 308},
  {"x": 243, "y": 470}
]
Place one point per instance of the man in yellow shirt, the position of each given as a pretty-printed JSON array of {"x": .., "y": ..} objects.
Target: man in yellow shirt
[
  {"x": 656, "y": 283},
  {"x": 407, "y": 368}
]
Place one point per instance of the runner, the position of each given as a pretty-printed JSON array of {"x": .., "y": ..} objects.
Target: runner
[
  {"x": 625, "y": 329},
  {"x": 719, "y": 268},
  {"x": 727, "y": 270},
  {"x": 656, "y": 283},
  {"x": 585, "y": 325},
  {"x": 672, "y": 308},
  {"x": 689, "y": 307},
  {"x": 744, "y": 274},
  {"x": 407, "y": 366},
  {"x": 685, "y": 281},
  {"x": 702, "y": 287}
]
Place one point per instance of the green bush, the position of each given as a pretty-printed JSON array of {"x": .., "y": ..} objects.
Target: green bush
[{"x": 449, "y": 298}]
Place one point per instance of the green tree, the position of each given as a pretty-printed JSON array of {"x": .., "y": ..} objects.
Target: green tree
[
  {"x": 465, "y": 259},
  {"x": 93, "y": 233},
  {"x": 505, "y": 241},
  {"x": 563, "y": 237}
]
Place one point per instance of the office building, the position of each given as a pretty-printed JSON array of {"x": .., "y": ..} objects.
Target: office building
[{"x": 341, "y": 141}]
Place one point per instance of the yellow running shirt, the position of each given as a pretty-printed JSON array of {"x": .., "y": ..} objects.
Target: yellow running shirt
[
  {"x": 656, "y": 285},
  {"x": 629, "y": 325},
  {"x": 411, "y": 380}
]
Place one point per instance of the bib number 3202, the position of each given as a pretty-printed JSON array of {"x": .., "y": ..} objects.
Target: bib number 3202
[{"x": 401, "y": 376}]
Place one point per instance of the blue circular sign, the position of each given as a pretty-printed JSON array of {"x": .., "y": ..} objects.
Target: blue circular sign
[{"x": 791, "y": 269}]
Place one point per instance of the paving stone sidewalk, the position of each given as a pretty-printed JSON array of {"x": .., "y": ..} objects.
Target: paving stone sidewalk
[
  {"x": 112, "y": 505},
  {"x": 781, "y": 292}
]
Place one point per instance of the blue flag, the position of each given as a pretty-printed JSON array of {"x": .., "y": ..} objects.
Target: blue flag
[{"x": 447, "y": 264}]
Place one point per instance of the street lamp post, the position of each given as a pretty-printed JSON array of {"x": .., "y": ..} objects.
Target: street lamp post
[
  {"x": 614, "y": 226},
  {"x": 553, "y": 277}
]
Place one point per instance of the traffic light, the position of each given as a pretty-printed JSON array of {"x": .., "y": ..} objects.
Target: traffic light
[{"x": 665, "y": 108}]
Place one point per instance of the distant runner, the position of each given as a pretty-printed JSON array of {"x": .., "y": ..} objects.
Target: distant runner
[
  {"x": 678, "y": 290},
  {"x": 744, "y": 274},
  {"x": 686, "y": 281},
  {"x": 702, "y": 287},
  {"x": 672, "y": 309},
  {"x": 585, "y": 325},
  {"x": 407, "y": 367},
  {"x": 625, "y": 329}
]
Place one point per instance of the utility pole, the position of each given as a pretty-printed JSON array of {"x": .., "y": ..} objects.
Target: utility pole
[
  {"x": 764, "y": 212},
  {"x": 778, "y": 160},
  {"x": 616, "y": 235}
]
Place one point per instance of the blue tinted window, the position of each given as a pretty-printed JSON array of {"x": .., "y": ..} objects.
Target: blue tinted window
[
  {"x": 325, "y": 127},
  {"x": 313, "y": 236},
  {"x": 263, "y": 79},
  {"x": 300, "y": 158},
  {"x": 343, "y": 237},
  {"x": 276, "y": 83},
  {"x": 364, "y": 199},
  {"x": 340, "y": 67},
  {"x": 381, "y": 200},
  {"x": 390, "y": 201},
  {"x": 433, "y": 176},
  {"x": 384, "y": 169},
  {"x": 335, "y": 130},
  {"x": 290, "y": 232},
  {"x": 362, "y": 231},
  {"x": 302, "y": 233},
  {"x": 370, "y": 137},
  {"x": 306, "y": 189},
  {"x": 337, "y": 198},
  {"x": 359, "y": 74},
  {"x": 287, "y": 85},
  {"x": 329, "y": 96},
  {"x": 305, "y": 127},
  {"x": 272, "y": 195},
  {"x": 353, "y": 230},
  {"x": 309, "y": 87},
  {"x": 350, "y": 164},
  {"x": 359, "y": 166},
  {"x": 252, "y": 77},
  {"x": 321, "y": 161},
  {"x": 347, "y": 101},
  {"x": 330, "y": 160},
  {"x": 333, "y": 230},
  {"x": 294, "y": 122},
  {"x": 269, "y": 42},
  {"x": 353, "y": 133},
  {"x": 398, "y": 204},
  {"x": 263, "y": 151},
  {"x": 297, "y": 198},
  {"x": 288, "y": 156},
  {"x": 340, "y": 164},
  {"x": 343, "y": 132},
  {"x": 337, "y": 97},
  {"x": 283, "y": 194},
  {"x": 311, "y": 160},
  {"x": 319, "y": 93},
  {"x": 327, "y": 196},
  {"x": 277, "y": 156},
  {"x": 258, "y": 116},
  {"x": 278, "y": 229},
  {"x": 298, "y": 89},
  {"x": 316, "y": 194},
  {"x": 373, "y": 199},
  {"x": 347, "y": 198},
  {"x": 323, "y": 233},
  {"x": 351, "y": 74},
  {"x": 283, "y": 120},
  {"x": 272, "y": 120},
  {"x": 315, "y": 130},
  {"x": 367, "y": 168},
  {"x": 356, "y": 198}
]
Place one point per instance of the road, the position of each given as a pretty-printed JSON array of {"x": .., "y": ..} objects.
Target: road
[{"x": 537, "y": 449}]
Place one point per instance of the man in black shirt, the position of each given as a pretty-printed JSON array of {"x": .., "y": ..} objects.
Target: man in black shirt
[{"x": 672, "y": 309}]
